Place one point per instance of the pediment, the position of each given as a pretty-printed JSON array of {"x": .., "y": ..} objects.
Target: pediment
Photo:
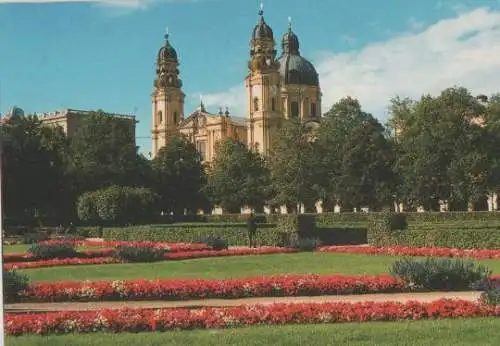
[{"x": 194, "y": 120}]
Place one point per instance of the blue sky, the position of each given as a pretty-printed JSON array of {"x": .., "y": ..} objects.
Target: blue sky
[{"x": 93, "y": 54}]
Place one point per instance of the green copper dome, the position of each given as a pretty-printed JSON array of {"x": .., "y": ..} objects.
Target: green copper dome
[
  {"x": 167, "y": 52},
  {"x": 262, "y": 30},
  {"x": 294, "y": 69}
]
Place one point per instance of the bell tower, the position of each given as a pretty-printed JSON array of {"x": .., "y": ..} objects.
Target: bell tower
[
  {"x": 167, "y": 96},
  {"x": 263, "y": 88}
]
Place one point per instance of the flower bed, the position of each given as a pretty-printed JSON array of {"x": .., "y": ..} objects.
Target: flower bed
[
  {"x": 415, "y": 251},
  {"x": 283, "y": 286},
  {"x": 58, "y": 262},
  {"x": 107, "y": 249},
  {"x": 143, "y": 320},
  {"x": 173, "y": 247},
  {"x": 27, "y": 257},
  {"x": 180, "y": 255}
]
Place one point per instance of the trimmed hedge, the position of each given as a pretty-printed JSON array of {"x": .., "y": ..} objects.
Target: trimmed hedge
[
  {"x": 302, "y": 225},
  {"x": 234, "y": 234},
  {"x": 341, "y": 235},
  {"x": 331, "y": 219},
  {"x": 383, "y": 232},
  {"x": 455, "y": 229}
]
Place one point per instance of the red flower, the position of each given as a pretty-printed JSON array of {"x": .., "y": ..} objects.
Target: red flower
[
  {"x": 93, "y": 256},
  {"x": 175, "y": 289},
  {"x": 140, "y": 320},
  {"x": 415, "y": 251}
]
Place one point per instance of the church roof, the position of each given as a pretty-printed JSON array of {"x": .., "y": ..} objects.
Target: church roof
[
  {"x": 295, "y": 69},
  {"x": 167, "y": 51},
  {"x": 262, "y": 30}
]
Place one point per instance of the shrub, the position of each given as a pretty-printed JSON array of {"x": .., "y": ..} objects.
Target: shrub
[
  {"x": 86, "y": 208},
  {"x": 50, "y": 251},
  {"x": 117, "y": 205},
  {"x": 491, "y": 291},
  {"x": 139, "y": 253},
  {"x": 89, "y": 232},
  {"x": 13, "y": 285},
  {"x": 439, "y": 273},
  {"x": 304, "y": 244},
  {"x": 34, "y": 237},
  {"x": 491, "y": 296},
  {"x": 214, "y": 242}
]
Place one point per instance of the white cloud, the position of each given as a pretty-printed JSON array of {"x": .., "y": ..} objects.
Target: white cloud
[
  {"x": 231, "y": 98},
  {"x": 463, "y": 50}
]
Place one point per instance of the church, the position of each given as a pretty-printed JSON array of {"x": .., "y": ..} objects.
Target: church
[{"x": 277, "y": 87}]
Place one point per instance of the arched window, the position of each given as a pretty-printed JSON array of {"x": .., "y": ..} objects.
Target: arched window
[
  {"x": 273, "y": 104},
  {"x": 175, "y": 118},
  {"x": 313, "y": 109},
  {"x": 256, "y": 104},
  {"x": 160, "y": 117}
]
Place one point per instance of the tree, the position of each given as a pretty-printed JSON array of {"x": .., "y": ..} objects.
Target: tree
[
  {"x": 34, "y": 171},
  {"x": 238, "y": 177},
  {"x": 442, "y": 155},
  {"x": 356, "y": 158},
  {"x": 492, "y": 140},
  {"x": 294, "y": 167},
  {"x": 103, "y": 153},
  {"x": 179, "y": 176},
  {"x": 117, "y": 206}
]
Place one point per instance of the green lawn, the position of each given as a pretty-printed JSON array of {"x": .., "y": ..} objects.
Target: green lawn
[
  {"x": 482, "y": 332},
  {"x": 229, "y": 267},
  {"x": 15, "y": 248}
]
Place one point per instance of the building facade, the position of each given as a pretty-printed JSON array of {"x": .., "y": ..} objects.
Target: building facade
[
  {"x": 70, "y": 120},
  {"x": 277, "y": 88}
]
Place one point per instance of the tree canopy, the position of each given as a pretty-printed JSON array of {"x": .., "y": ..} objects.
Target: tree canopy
[
  {"x": 238, "y": 177},
  {"x": 179, "y": 176}
]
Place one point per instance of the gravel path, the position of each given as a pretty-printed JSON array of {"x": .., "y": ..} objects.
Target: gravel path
[{"x": 398, "y": 297}]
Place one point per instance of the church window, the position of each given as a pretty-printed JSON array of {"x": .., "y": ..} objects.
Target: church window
[
  {"x": 294, "y": 110},
  {"x": 256, "y": 104},
  {"x": 273, "y": 104},
  {"x": 175, "y": 118},
  {"x": 160, "y": 117},
  {"x": 313, "y": 109}
]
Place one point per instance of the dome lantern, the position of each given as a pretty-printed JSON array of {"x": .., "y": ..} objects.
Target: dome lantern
[
  {"x": 167, "y": 52},
  {"x": 262, "y": 30}
]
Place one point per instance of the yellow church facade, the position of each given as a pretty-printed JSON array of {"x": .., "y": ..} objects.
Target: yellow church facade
[{"x": 277, "y": 88}]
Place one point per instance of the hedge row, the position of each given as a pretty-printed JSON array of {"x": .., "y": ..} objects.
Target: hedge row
[
  {"x": 392, "y": 229},
  {"x": 331, "y": 219},
  {"x": 235, "y": 234}
]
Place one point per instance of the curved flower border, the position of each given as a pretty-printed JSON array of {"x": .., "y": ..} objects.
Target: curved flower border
[
  {"x": 415, "y": 251},
  {"x": 146, "y": 320},
  {"x": 179, "y": 255},
  {"x": 183, "y": 289},
  {"x": 106, "y": 249}
]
